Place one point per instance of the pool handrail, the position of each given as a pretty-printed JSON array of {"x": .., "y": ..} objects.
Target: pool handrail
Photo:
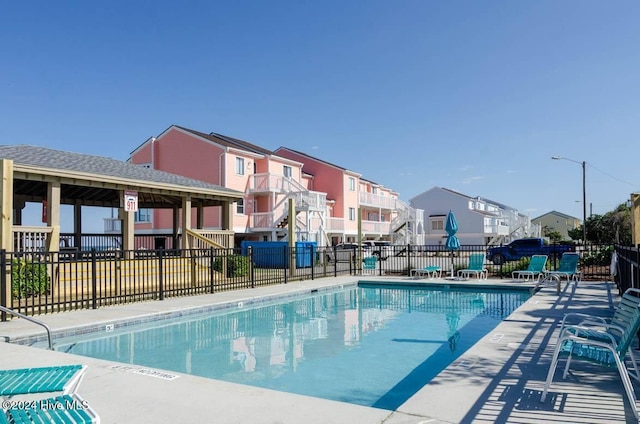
[{"x": 30, "y": 319}]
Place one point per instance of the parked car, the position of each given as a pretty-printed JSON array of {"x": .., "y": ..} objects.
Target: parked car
[
  {"x": 526, "y": 247},
  {"x": 345, "y": 251},
  {"x": 379, "y": 248}
]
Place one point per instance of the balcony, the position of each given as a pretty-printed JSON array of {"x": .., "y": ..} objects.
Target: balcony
[
  {"x": 274, "y": 183},
  {"x": 262, "y": 220},
  {"x": 377, "y": 201},
  {"x": 112, "y": 225},
  {"x": 497, "y": 229},
  {"x": 311, "y": 200},
  {"x": 335, "y": 224},
  {"x": 376, "y": 227}
]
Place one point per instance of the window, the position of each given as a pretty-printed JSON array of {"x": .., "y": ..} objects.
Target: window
[
  {"x": 239, "y": 166},
  {"x": 374, "y": 190},
  {"x": 352, "y": 214},
  {"x": 286, "y": 171},
  {"x": 352, "y": 184},
  {"x": 240, "y": 207},
  {"x": 437, "y": 224},
  {"x": 143, "y": 215}
]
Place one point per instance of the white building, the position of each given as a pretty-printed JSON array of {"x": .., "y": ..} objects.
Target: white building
[{"x": 480, "y": 221}]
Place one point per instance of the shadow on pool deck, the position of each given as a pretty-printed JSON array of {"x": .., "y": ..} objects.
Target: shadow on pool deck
[{"x": 499, "y": 379}]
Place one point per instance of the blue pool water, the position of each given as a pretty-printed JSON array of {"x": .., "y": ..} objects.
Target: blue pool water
[{"x": 373, "y": 346}]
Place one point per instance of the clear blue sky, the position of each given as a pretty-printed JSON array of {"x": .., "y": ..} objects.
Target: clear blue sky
[{"x": 474, "y": 96}]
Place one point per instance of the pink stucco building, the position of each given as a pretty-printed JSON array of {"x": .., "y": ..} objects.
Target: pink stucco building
[{"x": 329, "y": 200}]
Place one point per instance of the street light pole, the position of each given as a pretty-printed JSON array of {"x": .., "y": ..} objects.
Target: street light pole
[{"x": 584, "y": 195}]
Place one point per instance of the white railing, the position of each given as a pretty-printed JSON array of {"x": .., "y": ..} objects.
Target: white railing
[
  {"x": 311, "y": 199},
  {"x": 370, "y": 199},
  {"x": 30, "y": 239},
  {"x": 498, "y": 229},
  {"x": 274, "y": 182},
  {"x": 202, "y": 239},
  {"x": 402, "y": 224},
  {"x": 112, "y": 225},
  {"x": 335, "y": 224},
  {"x": 302, "y": 201},
  {"x": 377, "y": 227},
  {"x": 261, "y": 220}
]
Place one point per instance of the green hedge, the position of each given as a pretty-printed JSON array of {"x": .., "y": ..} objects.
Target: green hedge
[
  {"x": 507, "y": 269},
  {"x": 28, "y": 278},
  {"x": 237, "y": 265},
  {"x": 598, "y": 257}
]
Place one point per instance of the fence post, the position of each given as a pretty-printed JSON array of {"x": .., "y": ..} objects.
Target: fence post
[
  {"x": 335, "y": 261},
  {"x": 5, "y": 292},
  {"x": 408, "y": 258},
  {"x": 252, "y": 271},
  {"x": 284, "y": 263},
  {"x": 94, "y": 279},
  {"x": 313, "y": 259},
  {"x": 212, "y": 272},
  {"x": 160, "y": 275},
  {"x": 635, "y": 268}
]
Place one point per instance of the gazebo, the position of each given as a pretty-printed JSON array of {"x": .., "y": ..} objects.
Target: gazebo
[{"x": 53, "y": 177}]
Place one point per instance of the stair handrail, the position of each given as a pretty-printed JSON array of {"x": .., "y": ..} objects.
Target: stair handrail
[
  {"x": 33, "y": 320},
  {"x": 203, "y": 239}
]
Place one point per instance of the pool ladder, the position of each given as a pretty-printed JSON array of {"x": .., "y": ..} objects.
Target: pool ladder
[{"x": 33, "y": 320}]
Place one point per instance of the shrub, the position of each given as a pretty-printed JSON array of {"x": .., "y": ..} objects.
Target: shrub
[
  {"x": 28, "y": 278},
  {"x": 598, "y": 257},
  {"x": 507, "y": 269},
  {"x": 237, "y": 265}
]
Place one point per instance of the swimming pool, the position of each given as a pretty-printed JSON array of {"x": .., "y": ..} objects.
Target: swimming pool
[{"x": 368, "y": 345}]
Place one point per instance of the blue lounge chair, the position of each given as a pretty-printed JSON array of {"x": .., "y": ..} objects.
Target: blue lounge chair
[
  {"x": 603, "y": 347},
  {"x": 535, "y": 270},
  {"x": 476, "y": 267},
  {"x": 624, "y": 313},
  {"x": 568, "y": 268},
  {"x": 68, "y": 407},
  {"x": 370, "y": 265},
  {"x": 64, "y": 378},
  {"x": 428, "y": 271}
]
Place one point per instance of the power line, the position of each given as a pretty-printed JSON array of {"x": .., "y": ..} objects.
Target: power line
[{"x": 613, "y": 177}]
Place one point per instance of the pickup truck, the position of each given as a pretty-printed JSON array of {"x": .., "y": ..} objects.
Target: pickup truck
[{"x": 526, "y": 247}]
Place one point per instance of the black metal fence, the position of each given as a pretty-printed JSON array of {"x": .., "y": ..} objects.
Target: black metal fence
[
  {"x": 400, "y": 260},
  {"x": 46, "y": 282},
  {"x": 102, "y": 242},
  {"x": 627, "y": 269}
]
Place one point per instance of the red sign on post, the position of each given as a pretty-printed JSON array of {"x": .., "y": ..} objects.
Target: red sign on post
[
  {"x": 131, "y": 201},
  {"x": 44, "y": 211}
]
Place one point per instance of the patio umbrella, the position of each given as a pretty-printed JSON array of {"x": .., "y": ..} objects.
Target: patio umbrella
[{"x": 452, "y": 241}]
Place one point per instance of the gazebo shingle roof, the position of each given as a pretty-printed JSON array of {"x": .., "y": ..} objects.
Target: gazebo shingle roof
[{"x": 98, "y": 165}]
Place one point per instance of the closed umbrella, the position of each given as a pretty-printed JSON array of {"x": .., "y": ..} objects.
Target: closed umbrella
[{"x": 452, "y": 241}]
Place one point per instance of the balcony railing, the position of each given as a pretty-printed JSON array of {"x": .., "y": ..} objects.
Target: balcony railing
[
  {"x": 501, "y": 230},
  {"x": 112, "y": 225},
  {"x": 261, "y": 220},
  {"x": 311, "y": 199},
  {"x": 267, "y": 182},
  {"x": 30, "y": 239},
  {"x": 376, "y": 227},
  {"x": 375, "y": 200},
  {"x": 335, "y": 224}
]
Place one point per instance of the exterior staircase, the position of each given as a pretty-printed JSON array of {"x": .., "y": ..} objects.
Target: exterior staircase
[
  {"x": 310, "y": 208},
  {"x": 407, "y": 225}
]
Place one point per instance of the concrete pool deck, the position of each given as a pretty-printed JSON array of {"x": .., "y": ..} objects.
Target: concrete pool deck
[{"x": 499, "y": 379}]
